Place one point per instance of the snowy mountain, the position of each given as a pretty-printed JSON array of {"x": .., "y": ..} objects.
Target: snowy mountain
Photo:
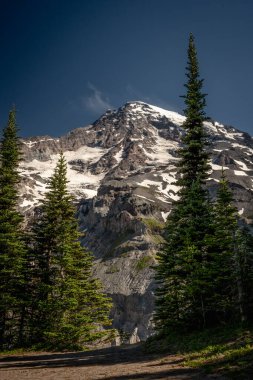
[
  {"x": 121, "y": 170},
  {"x": 137, "y": 144}
]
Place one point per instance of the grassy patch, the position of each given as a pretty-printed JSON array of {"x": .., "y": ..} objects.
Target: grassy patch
[
  {"x": 143, "y": 263},
  {"x": 15, "y": 351},
  {"x": 158, "y": 239},
  {"x": 121, "y": 238},
  {"x": 153, "y": 225},
  {"x": 227, "y": 351},
  {"x": 112, "y": 269}
]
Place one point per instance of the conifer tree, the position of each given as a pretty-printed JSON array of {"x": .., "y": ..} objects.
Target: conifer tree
[
  {"x": 182, "y": 272},
  {"x": 70, "y": 306},
  {"x": 232, "y": 246},
  {"x": 193, "y": 165},
  {"x": 243, "y": 270},
  {"x": 222, "y": 244},
  {"x": 12, "y": 247}
]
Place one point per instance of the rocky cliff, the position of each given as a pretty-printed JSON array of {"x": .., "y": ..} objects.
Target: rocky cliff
[{"x": 121, "y": 170}]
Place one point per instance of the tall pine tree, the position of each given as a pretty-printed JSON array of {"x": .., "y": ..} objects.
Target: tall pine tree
[
  {"x": 182, "y": 272},
  {"x": 193, "y": 165},
  {"x": 222, "y": 243},
  {"x": 70, "y": 307},
  {"x": 243, "y": 270},
  {"x": 12, "y": 247},
  {"x": 232, "y": 260}
]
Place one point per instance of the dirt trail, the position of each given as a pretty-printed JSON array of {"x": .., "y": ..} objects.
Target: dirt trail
[{"x": 116, "y": 363}]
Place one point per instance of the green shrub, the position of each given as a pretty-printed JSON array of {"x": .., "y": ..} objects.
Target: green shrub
[
  {"x": 143, "y": 263},
  {"x": 153, "y": 225}
]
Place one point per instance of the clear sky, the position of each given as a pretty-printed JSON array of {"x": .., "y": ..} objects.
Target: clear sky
[{"x": 64, "y": 62}]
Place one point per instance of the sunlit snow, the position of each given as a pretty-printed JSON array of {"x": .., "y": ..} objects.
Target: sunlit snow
[
  {"x": 141, "y": 196},
  {"x": 240, "y": 173},
  {"x": 31, "y": 143},
  {"x": 169, "y": 191},
  {"x": 217, "y": 167},
  {"x": 154, "y": 111},
  {"x": 242, "y": 164},
  {"x": 85, "y": 183},
  {"x": 174, "y": 117},
  {"x": 161, "y": 150},
  {"x": 165, "y": 215},
  {"x": 118, "y": 155}
]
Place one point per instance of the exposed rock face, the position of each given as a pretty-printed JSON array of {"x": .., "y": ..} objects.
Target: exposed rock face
[{"x": 122, "y": 171}]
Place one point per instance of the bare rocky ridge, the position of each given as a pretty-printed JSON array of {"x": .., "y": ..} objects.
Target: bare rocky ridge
[{"x": 122, "y": 170}]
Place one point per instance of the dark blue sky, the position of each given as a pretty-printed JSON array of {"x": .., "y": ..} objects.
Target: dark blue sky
[{"x": 64, "y": 62}]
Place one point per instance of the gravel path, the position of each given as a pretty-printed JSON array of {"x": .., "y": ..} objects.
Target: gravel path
[{"x": 117, "y": 363}]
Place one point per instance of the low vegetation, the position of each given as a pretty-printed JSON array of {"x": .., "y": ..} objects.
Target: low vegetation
[
  {"x": 120, "y": 244},
  {"x": 224, "y": 351},
  {"x": 112, "y": 269},
  {"x": 153, "y": 225},
  {"x": 158, "y": 239},
  {"x": 143, "y": 263}
]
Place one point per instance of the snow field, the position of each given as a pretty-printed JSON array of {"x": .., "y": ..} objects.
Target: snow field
[{"x": 77, "y": 181}]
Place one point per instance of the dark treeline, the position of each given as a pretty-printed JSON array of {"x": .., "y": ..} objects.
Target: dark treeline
[
  {"x": 48, "y": 298},
  {"x": 205, "y": 267}
]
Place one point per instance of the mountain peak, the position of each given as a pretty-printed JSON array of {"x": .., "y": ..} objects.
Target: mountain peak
[
  {"x": 137, "y": 144},
  {"x": 145, "y": 109}
]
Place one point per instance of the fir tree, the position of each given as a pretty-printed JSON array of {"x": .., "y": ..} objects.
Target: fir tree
[
  {"x": 70, "y": 306},
  {"x": 193, "y": 165},
  {"x": 243, "y": 269},
  {"x": 182, "y": 272},
  {"x": 232, "y": 246},
  {"x": 222, "y": 244},
  {"x": 12, "y": 247}
]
